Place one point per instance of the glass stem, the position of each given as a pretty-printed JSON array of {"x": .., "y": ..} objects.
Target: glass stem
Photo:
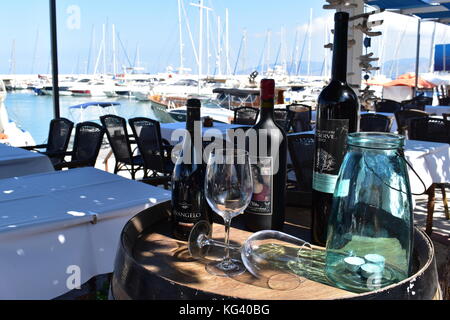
[{"x": 227, "y": 223}]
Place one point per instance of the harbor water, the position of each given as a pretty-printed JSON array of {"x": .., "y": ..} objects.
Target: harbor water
[{"x": 33, "y": 113}]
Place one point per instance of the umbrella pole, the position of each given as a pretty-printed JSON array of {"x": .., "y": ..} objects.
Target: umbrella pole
[
  {"x": 417, "y": 58},
  {"x": 54, "y": 46}
]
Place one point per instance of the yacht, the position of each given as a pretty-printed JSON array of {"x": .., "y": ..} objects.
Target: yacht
[
  {"x": 209, "y": 109},
  {"x": 90, "y": 89},
  {"x": 10, "y": 133}
]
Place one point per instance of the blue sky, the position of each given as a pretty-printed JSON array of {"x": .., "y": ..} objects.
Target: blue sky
[{"x": 153, "y": 26}]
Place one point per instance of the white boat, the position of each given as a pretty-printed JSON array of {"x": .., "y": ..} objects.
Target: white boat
[
  {"x": 90, "y": 89},
  {"x": 10, "y": 133},
  {"x": 209, "y": 109},
  {"x": 182, "y": 88}
]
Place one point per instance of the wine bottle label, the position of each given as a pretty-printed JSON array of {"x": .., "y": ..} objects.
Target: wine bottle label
[
  {"x": 331, "y": 140},
  {"x": 262, "y": 200},
  {"x": 185, "y": 213}
]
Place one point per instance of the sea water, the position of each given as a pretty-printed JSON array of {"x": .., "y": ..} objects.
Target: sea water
[{"x": 33, "y": 113}]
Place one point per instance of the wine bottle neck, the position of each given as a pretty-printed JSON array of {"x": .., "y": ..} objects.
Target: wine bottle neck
[
  {"x": 193, "y": 116},
  {"x": 267, "y": 107},
  {"x": 340, "y": 47}
]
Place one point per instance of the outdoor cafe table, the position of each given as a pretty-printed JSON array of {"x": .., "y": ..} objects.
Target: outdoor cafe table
[
  {"x": 437, "y": 110},
  {"x": 431, "y": 161},
  {"x": 16, "y": 162},
  {"x": 60, "y": 227}
]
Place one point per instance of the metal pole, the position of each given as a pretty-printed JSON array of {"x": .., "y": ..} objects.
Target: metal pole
[
  {"x": 417, "y": 57},
  {"x": 54, "y": 45}
]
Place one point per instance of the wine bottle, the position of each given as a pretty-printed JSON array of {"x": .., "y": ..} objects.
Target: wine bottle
[
  {"x": 189, "y": 204},
  {"x": 267, "y": 146},
  {"x": 337, "y": 116}
]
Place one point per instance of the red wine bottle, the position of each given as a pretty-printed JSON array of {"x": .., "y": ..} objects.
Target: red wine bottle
[
  {"x": 189, "y": 204},
  {"x": 337, "y": 116},
  {"x": 267, "y": 146}
]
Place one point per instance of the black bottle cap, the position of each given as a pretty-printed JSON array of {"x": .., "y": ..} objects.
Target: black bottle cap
[
  {"x": 341, "y": 16},
  {"x": 194, "y": 103}
]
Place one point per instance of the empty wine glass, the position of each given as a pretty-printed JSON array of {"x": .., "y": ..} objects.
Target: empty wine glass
[
  {"x": 280, "y": 260},
  {"x": 228, "y": 189}
]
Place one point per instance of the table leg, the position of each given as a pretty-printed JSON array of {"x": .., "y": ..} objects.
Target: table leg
[{"x": 431, "y": 201}]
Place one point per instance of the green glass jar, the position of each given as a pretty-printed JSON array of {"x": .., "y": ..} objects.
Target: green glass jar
[{"x": 370, "y": 231}]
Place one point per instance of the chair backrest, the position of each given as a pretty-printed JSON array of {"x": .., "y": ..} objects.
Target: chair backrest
[
  {"x": 389, "y": 106},
  {"x": 116, "y": 131},
  {"x": 88, "y": 141},
  {"x": 444, "y": 101},
  {"x": 300, "y": 116},
  {"x": 375, "y": 123},
  {"x": 148, "y": 137},
  {"x": 282, "y": 118},
  {"x": 246, "y": 116},
  {"x": 301, "y": 149},
  {"x": 59, "y": 135},
  {"x": 404, "y": 118},
  {"x": 430, "y": 129}
]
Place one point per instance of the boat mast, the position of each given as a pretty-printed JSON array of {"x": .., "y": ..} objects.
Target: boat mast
[
  {"x": 181, "y": 38},
  {"x": 219, "y": 46},
  {"x": 309, "y": 42},
  {"x": 227, "y": 41},
  {"x": 104, "y": 49},
  {"x": 114, "y": 49}
]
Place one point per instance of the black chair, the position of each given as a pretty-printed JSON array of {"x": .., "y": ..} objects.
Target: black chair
[
  {"x": 116, "y": 131},
  {"x": 433, "y": 130},
  {"x": 156, "y": 152},
  {"x": 300, "y": 117},
  {"x": 246, "y": 116},
  {"x": 375, "y": 123},
  {"x": 417, "y": 103},
  {"x": 429, "y": 129},
  {"x": 282, "y": 118},
  {"x": 387, "y": 106},
  {"x": 404, "y": 117},
  {"x": 88, "y": 141},
  {"x": 301, "y": 150},
  {"x": 446, "y": 116},
  {"x": 58, "y": 140}
]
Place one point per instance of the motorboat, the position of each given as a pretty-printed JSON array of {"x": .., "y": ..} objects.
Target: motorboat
[{"x": 209, "y": 109}]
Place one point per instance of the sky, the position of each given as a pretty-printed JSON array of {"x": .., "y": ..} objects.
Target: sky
[{"x": 150, "y": 27}]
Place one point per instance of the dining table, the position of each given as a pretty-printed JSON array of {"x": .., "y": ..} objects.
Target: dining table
[
  {"x": 437, "y": 110},
  {"x": 17, "y": 162},
  {"x": 60, "y": 229}
]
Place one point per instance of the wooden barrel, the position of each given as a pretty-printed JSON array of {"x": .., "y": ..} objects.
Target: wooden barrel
[{"x": 150, "y": 265}]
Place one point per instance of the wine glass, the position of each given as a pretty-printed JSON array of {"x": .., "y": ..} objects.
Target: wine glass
[
  {"x": 280, "y": 260},
  {"x": 229, "y": 190}
]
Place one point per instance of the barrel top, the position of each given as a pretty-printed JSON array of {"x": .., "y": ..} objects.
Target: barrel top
[{"x": 170, "y": 260}]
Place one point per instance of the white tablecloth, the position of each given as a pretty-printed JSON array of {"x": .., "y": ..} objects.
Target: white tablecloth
[
  {"x": 16, "y": 162},
  {"x": 46, "y": 228},
  {"x": 430, "y": 160},
  {"x": 437, "y": 110},
  {"x": 169, "y": 131}
]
